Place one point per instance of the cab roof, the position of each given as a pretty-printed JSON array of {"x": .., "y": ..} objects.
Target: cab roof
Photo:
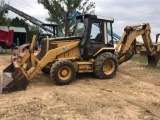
[{"x": 95, "y": 17}]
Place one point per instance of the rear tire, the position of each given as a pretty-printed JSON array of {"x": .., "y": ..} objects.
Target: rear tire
[
  {"x": 63, "y": 72},
  {"x": 105, "y": 66}
]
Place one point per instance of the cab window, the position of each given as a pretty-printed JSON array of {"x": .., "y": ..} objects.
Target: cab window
[{"x": 96, "y": 32}]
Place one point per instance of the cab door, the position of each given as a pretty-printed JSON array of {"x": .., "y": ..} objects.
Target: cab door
[{"x": 96, "y": 40}]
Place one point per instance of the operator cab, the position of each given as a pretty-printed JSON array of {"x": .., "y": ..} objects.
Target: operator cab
[{"x": 94, "y": 33}]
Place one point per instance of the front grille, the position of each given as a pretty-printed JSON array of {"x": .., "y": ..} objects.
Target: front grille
[{"x": 43, "y": 48}]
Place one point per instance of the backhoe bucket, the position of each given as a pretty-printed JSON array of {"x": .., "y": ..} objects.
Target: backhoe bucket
[
  {"x": 13, "y": 79},
  {"x": 153, "y": 60}
]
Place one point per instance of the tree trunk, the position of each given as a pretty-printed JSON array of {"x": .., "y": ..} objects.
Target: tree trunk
[{"x": 66, "y": 24}]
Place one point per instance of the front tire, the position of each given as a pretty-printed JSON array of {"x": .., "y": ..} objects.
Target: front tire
[
  {"x": 105, "y": 66},
  {"x": 63, "y": 72}
]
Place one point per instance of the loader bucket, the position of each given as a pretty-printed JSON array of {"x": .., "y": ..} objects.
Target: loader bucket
[
  {"x": 13, "y": 79},
  {"x": 153, "y": 60}
]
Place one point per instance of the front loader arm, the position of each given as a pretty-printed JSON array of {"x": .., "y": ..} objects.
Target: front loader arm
[
  {"x": 30, "y": 53},
  {"x": 51, "y": 57},
  {"x": 17, "y": 76}
]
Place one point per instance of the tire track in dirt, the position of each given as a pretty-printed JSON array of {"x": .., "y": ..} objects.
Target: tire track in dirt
[{"x": 147, "y": 87}]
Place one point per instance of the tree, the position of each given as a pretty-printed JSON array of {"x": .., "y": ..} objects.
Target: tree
[
  {"x": 16, "y": 22},
  {"x": 31, "y": 29},
  {"x": 59, "y": 9},
  {"x": 3, "y": 19}
]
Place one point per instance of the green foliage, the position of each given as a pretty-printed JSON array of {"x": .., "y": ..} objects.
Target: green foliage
[
  {"x": 80, "y": 30},
  {"x": 144, "y": 61},
  {"x": 16, "y": 22},
  {"x": 59, "y": 9},
  {"x": 54, "y": 10},
  {"x": 4, "y": 21},
  {"x": 31, "y": 29}
]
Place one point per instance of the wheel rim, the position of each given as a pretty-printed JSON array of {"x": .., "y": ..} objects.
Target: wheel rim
[
  {"x": 108, "y": 67},
  {"x": 64, "y": 73}
]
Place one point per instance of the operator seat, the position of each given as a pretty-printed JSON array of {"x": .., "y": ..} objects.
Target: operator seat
[{"x": 98, "y": 37}]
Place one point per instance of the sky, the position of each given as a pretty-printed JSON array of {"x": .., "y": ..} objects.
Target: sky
[{"x": 124, "y": 12}]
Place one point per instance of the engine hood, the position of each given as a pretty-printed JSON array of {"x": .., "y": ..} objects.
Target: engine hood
[{"x": 69, "y": 38}]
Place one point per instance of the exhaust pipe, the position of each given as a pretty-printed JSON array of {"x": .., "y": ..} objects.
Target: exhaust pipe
[{"x": 13, "y": 79}]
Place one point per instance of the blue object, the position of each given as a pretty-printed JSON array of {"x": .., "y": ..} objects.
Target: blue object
[
  {"x": 115, "y": 36},
  {"x": 72, "y": 15}
]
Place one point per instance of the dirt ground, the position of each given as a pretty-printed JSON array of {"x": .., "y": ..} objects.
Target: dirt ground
[{"x": 134, "y": 94}]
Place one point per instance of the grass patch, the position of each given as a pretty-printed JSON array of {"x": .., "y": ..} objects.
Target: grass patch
[
  {"x": 144, "y": 62},
  {"x": 6, "y": 52},
  {"x": 137, "y": 58}
]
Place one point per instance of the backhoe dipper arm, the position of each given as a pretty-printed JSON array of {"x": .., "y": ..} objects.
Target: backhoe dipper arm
[{"x": 129, "y": 35}]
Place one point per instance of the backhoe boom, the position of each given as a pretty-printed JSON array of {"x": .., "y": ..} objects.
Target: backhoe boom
[{"x": 127, "y": 43}]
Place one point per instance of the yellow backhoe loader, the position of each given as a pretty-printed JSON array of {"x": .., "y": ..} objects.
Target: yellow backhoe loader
[{"x": 89, "y": 49}]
